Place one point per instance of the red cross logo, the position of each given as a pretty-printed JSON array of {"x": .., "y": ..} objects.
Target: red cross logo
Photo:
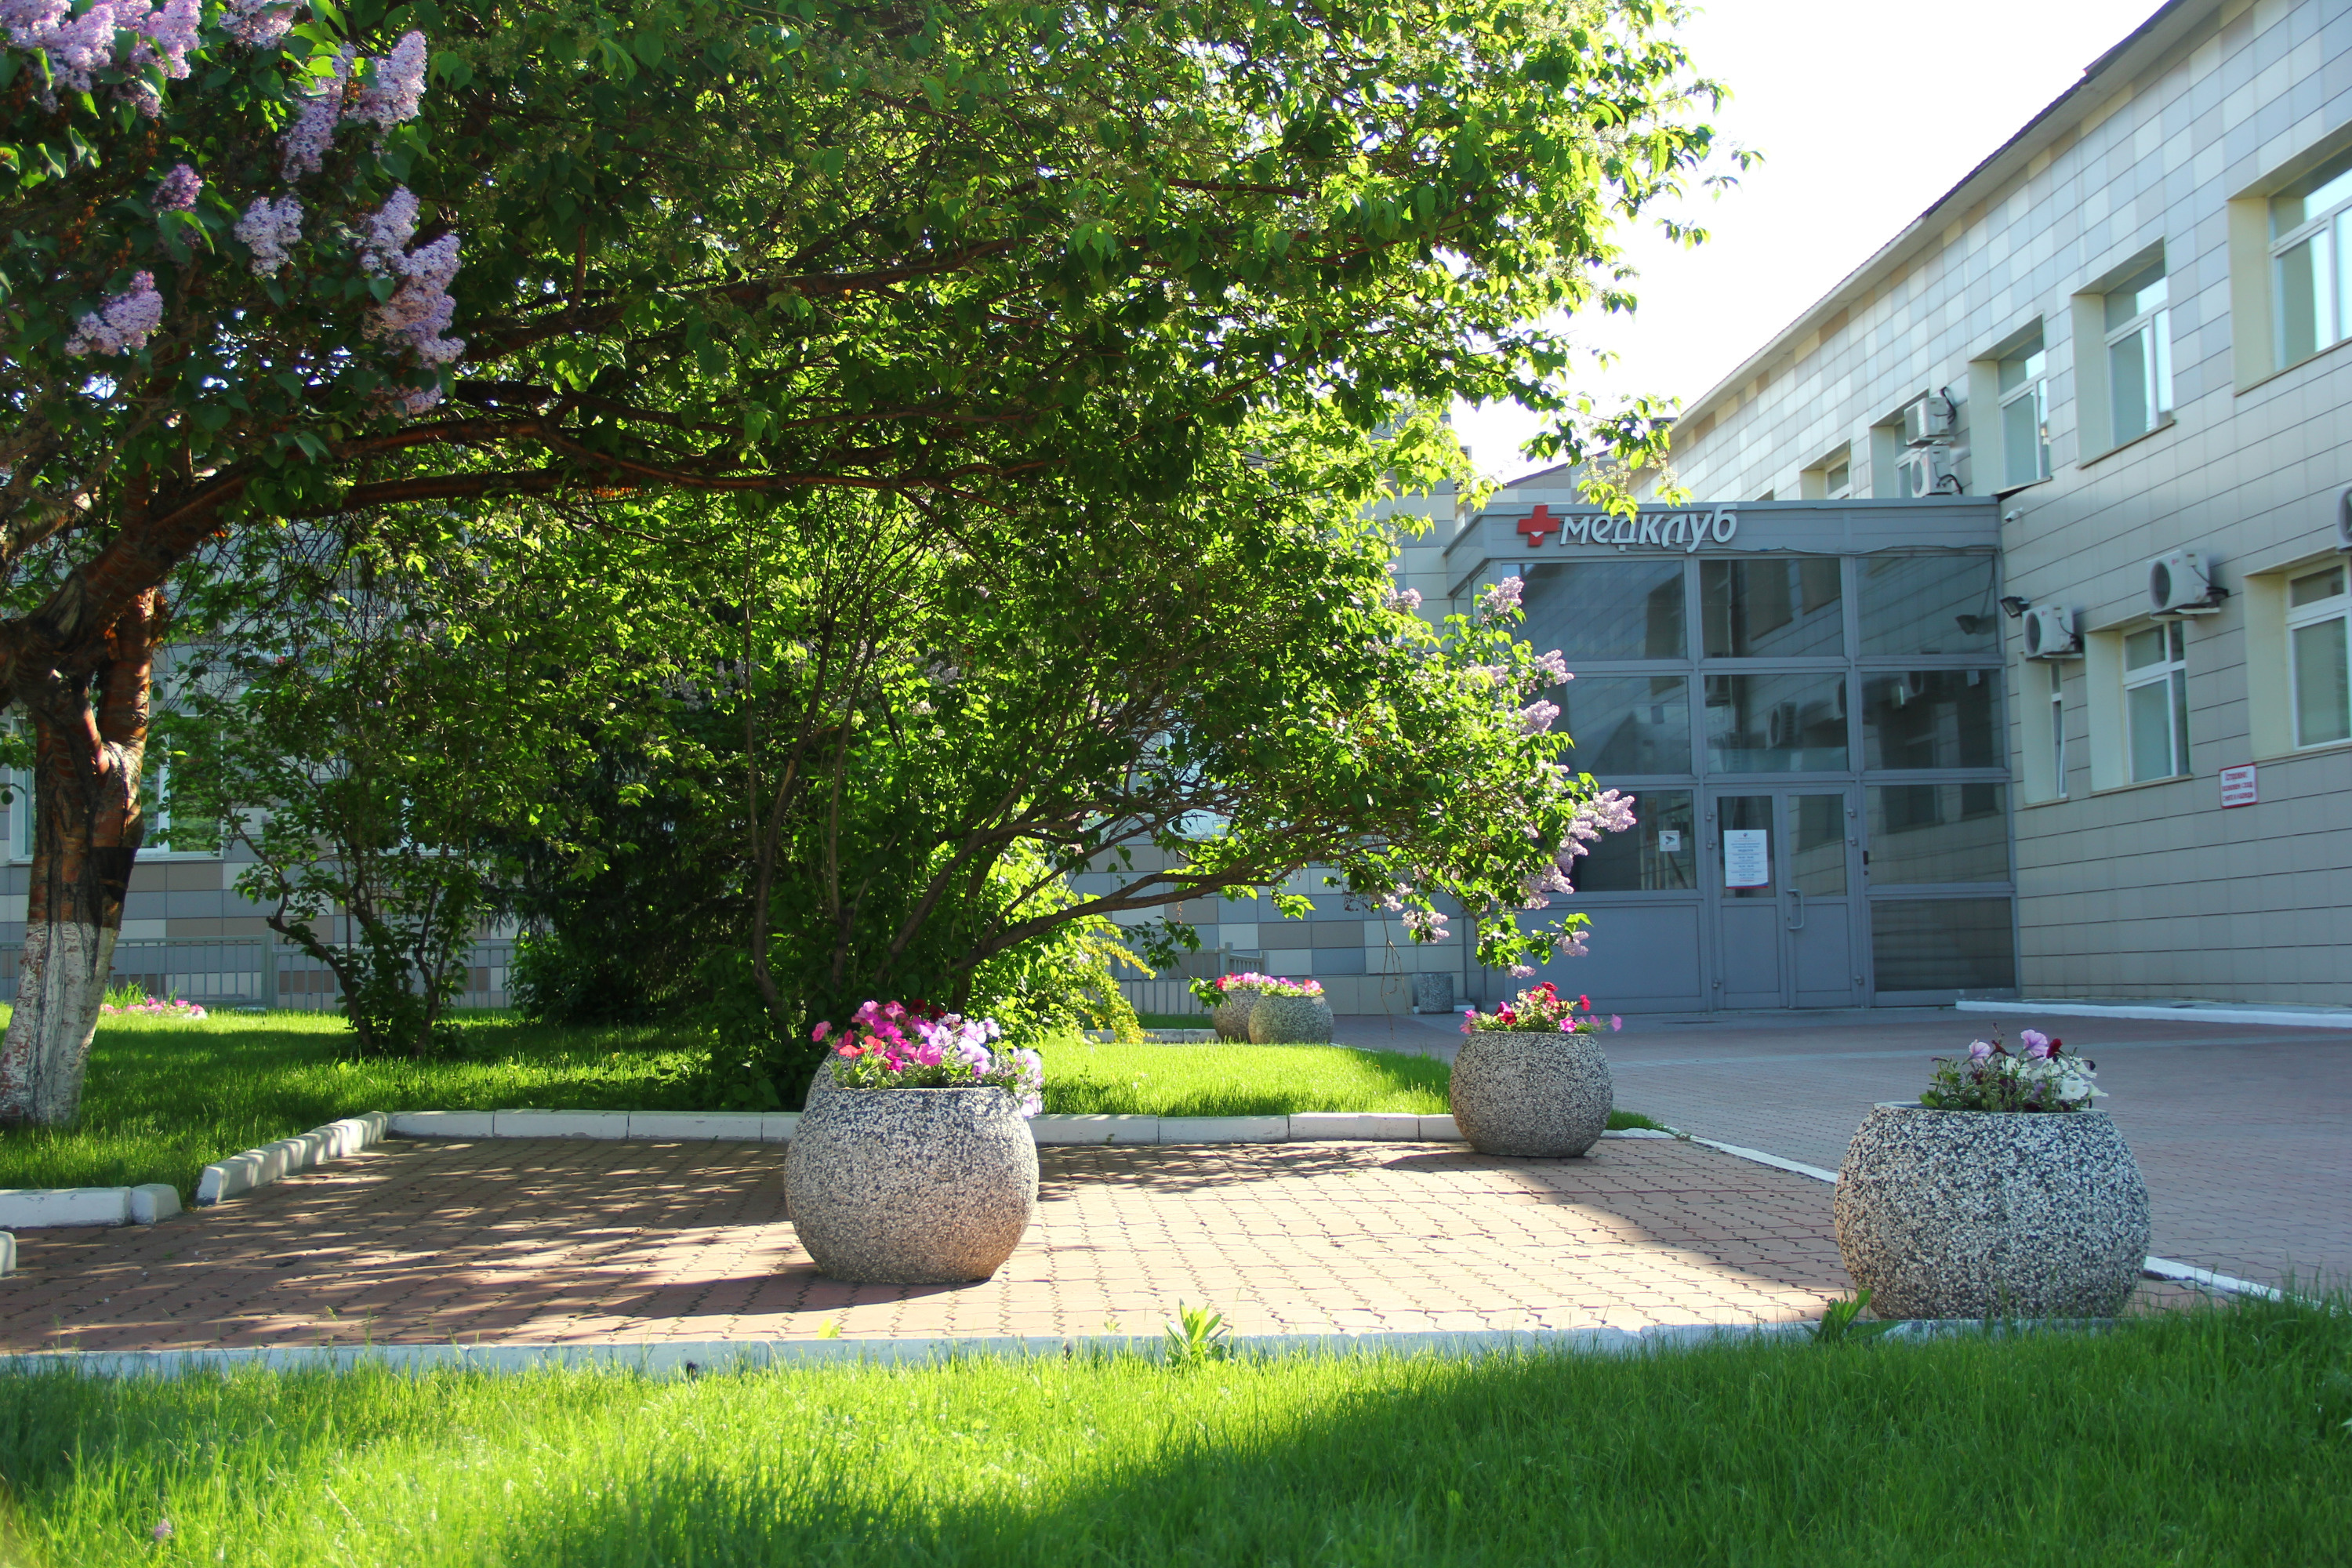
[{"x": 1538, "y": 523}]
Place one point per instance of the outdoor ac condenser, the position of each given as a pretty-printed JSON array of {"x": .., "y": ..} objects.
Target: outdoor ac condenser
[
  {"x": 2181, "y": 583},
  {"x": 2050, "y": 633}
]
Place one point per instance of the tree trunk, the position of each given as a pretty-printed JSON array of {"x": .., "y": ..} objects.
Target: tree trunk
[{"x": 88, "y": 827}]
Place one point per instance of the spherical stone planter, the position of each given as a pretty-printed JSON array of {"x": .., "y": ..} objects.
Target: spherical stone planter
[
  {"x": 1290, "y": 1021},
  {"x": 1230, "y": 1017},
  {"x": 1543, "y": 1094},
  {"x": 911, "y": 1186},
  {"x": 1977, "y": 1214}
]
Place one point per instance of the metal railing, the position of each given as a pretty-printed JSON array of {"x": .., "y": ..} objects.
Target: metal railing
[
  {"x": 1169, "y": 992},
  {"x": 255, "y": 972}
]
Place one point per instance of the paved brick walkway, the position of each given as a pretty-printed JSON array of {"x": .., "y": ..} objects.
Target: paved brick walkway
[
  {"x": 546, "y": 1241},
  {"x": 2243, "y": 1132}
]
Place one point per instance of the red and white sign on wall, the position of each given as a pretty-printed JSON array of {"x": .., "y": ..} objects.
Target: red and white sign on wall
[{"x": 2238, "y": 786}]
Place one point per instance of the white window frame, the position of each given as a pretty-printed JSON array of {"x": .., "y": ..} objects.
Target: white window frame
[
  {"x": 2057, "y": 780},
  {"x": 2153, "y": 326},
  {"x": 2171, "y": 671},
  {"x": 2336, "y": 607},
  {"x": 2331, "y": 243},
  {"x": 2036, "y": 385}
]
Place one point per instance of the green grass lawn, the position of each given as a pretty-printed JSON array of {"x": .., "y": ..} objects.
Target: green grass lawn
[
  {"x": 165, "y": 1100},
  {"x": 2206, "y": 1437}
]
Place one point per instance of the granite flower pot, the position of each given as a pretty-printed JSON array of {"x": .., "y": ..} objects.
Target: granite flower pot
[
  {"x": 1231, "y": 1016},
  {"x": 911, "y": 1186},
  {"x": 1290, "y": 1021},
  {"x": 1547, "y": 1094},
  {"x": 1976, "y": 1213}
]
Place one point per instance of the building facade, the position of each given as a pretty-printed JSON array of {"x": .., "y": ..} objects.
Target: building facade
[{"x": 2128, "y": 328}]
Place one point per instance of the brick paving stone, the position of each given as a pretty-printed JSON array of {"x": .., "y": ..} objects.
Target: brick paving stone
[{"x": 572, "y": 1242}]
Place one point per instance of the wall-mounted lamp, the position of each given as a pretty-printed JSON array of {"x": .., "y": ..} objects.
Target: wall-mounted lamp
[{"x": 2015, "y": 605}]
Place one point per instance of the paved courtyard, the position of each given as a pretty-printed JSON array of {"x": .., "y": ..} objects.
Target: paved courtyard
[
  {"x": 590, "y": 1242},
  {"x": 2244, "y": 1132}
]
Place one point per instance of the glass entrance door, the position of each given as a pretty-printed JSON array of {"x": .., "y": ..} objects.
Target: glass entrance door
[{"x": 1783, "y": 876}]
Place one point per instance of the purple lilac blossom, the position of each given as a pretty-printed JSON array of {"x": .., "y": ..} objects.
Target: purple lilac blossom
[
  {"x": 176, "y": 190},
  {"x": 257, "y": 24},
  {"x": 390, "y": 96},
  {"x": 123, "y": 324},
  {"x": 1405, "y": 599},
  {"x": 1537, "y": 717},
  {"x": 1503, "y": 595},
  {"x": 1555, "y": 665},
  {"x": 313, "y": 131},
  {"x": 268, "y": 230}
]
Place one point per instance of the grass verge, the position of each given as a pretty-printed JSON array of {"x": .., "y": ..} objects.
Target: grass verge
[
  {"x": 2209, "y": 1437},
  {"x": 165, "y": 1100}
]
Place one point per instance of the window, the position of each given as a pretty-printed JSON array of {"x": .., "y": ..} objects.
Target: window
[
  {"x": 1606, "y": 609},
  {"x": 1937, "y": 833},
  {"x": 1941, "y": 603},
  {"x": 2056, "y": 782},
  {"x": 2023, "y": 381},
  {"x": 2139, "y": 355},
  {"x": 2156, "y": 701},
  {"x": 2311, "y": 249},
  {"x": 1837, "y": 481},
  {"x": 1773, "y": 608},
  {"x": 1776, "y": 723},
  {"x": 1627, "y": 724},
  {"x": 1658, "y": 855},
  {"x": 1931, "y": 719},
  {"x": 2317, "y": 608}
]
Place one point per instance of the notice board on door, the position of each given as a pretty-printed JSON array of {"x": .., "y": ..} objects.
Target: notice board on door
[{"x": 1747, "y": 857}]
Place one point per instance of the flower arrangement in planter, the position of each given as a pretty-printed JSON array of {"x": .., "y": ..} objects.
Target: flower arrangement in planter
[
  {"x": 946, "y": 1051},
  {"x": 1531, "y": 1077},
  {"x": 2000, "y": 1192},
  {"x": 2039, "y": 1077},
  {"x": 1540, "y": 1009},
  {"x": 131, "y": 1003},
  {"x": 1232, "y": 1002},
  {"x": 917, "y": 1168}
]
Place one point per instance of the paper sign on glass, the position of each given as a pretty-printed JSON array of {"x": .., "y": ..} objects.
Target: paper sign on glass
[
  {"x": 1747, "y": 857},
  {"x": 1670, "y": 841}
]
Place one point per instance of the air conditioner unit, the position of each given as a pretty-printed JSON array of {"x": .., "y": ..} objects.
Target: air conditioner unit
[
  {"x": 2179, "y": 583},
  {"x": 2050, "y": 633},
  {"x": 1925, "y": 471},
  {"x": 1929, "y": 419},
  {"x": 2344, "y": 520}
]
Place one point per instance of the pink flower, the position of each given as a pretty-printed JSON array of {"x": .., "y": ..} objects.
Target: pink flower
[
  {"x": 1615, "y": 1023},
  {"x": 1980, "y": 1050},
  {"x": 821, "y": 1031},
  {"x": 2039, "y": 1047}
]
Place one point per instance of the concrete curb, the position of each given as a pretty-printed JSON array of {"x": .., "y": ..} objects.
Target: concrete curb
[
  {"x": 776, "y": 1127},
  {"x": 46, "y": 1208},
  {"x": 276, "y": 1162},
  {"x": 2152, "y": 1268},
  {"x": 2291, "y": 1018},
  {"x": 694, "y": 1357}
]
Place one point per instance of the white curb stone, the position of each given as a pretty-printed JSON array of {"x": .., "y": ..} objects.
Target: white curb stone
[
  {"x": 35, "y": 1208},
  {"x": 688, "y": 1124},
  {"x": 2194, "y": 1013},
  {"x": 275, "y": 1162},
  {"x": 156, "y": 1200},
  {"x": 444, "y": 1124},
  {"x": 8, "y": 1253},
  {"x": 1096, "y": 1129},
  {"x": 1368, "y": 1126},
  {"x": 1440, "y": 1130},
  {"x": 559, "y": 1124},
  {"x": 1224, "y": 1129},
  {"x": 776, "y": 1126}
]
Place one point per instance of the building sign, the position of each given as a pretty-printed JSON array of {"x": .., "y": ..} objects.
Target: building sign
[
  {"x": 2238, "y": 786},
  {"x": 1747, "y": 857},
  {"x": 1685, "y": 530}
]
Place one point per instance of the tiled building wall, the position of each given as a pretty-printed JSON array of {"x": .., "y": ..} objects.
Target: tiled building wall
[{"x": 2151, "y": 890}]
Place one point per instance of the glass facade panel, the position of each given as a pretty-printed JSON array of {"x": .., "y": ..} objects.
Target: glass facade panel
[
  {"x": 1927, "y": 603},
  {"x": 1938, "y": 833},
  {"x": 1790, "y": 608},
  {"x": 1817, "y": 829},
  {"x": 1627, "y": 724},
  {"x": 1931, "y": 719},
  {"x": 1776, "y": 723},
  {"x": 1744, "y": 848},
  {"x": 1659, "y": 854},
  {"x": 1606, "y": 610},
  {"x": 1943, "y": 944}
]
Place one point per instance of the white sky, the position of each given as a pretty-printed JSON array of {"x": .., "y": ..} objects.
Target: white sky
[{"x": 1865, "y": 112}]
